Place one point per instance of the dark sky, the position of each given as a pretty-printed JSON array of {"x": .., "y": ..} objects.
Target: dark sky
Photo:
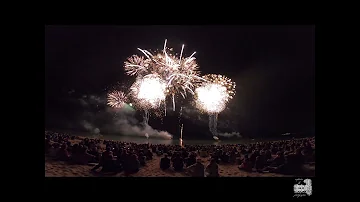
[{"x": 273, "y": 66}]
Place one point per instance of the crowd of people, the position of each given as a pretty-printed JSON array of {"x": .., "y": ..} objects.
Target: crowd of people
[{"x": 285, "y": 156}]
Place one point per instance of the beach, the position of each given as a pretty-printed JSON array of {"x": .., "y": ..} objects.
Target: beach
[{"x": 151, "y": 169}]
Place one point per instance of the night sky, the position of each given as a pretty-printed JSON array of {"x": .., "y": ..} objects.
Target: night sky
[{"x": 273, "y": 67}]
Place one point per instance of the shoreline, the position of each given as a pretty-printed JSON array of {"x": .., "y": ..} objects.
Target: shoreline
[{"x": 173, "y": 141}]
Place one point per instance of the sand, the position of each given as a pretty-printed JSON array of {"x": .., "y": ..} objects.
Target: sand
[{"x": 152, "y": 169}]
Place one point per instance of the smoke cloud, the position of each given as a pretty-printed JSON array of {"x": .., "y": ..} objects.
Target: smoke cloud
[
  {"x": 91, "y": 128},
  {"x": 125, "y": 123},
  {"x": 117, "y": 121}
]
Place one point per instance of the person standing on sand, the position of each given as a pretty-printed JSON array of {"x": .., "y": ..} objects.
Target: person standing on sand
[
  {"x": 212, "y": 169},
  {"x": 196, "y": 170}
]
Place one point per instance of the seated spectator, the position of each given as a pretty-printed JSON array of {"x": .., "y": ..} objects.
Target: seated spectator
[
  {"x": 225, "y": 157},
  {"x": 159, "y": 153},
  {"x": 54, "y": 150},
  {"x": 47, "y": 145},
  {"x": 238, "y": 161},
  {"x": 246, "y": 165},
  {"x": 142, "y": 159},
  {"x": 83, "y": 157},
  {"x": 63, "y": 154},
  {"x": 203, "y": 153},
  {"x": 293, "y": 163},
  {"x": 94, "y": 151},
  {"x": 178, "y": 163},
  {"x": 75, "y": 154},
  {"x": 259, "y": 163},
  {"x": 278, "y": 160},
  {"x": 197, "y": 169},
  {"x": 68, "y": 144},
  {"x": 191, "y": 160},
  {"x": 165, "y": 163},
  {"x": 185, "y": 154},
  {"x": 232, "y": 158},
  {"x": 149, "y": 155},
  {"x": 106, "y": 161},
  {"x": 115, "y": 150},
  {"x": 253, "y": 156},
  {"x": 212, "y": 169},
  {"x": 246, "y": 157},
  {"x": 274, "y": 150},
  {"x": 132, "y": 164},
  {"x": 173, "y": 156},
  {"x": 267, "y": 155},
  {"x": 243, "y": 151},
  {"x": 165, "y": 150}
]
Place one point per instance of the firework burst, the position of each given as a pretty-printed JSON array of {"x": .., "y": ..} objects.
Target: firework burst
[
  {"x": 212, "y": 95},
  {"x": 116, "y": 99},
  {"x": 210, "y": 98},
  {"x": 223, "y": 81},
  {"x": 179, "y": 73},
  {"x": 148, "y": 91},
  {"x": 136, "y": 65}
]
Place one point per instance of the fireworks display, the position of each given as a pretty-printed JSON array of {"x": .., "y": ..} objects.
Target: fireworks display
[
  {"x": 137, "y": 65},
  {"x": 212, "y": 95},
  {"x": 179, "y": 73},
  {"x": 149, "y": 92},
  {"x": 211, "y": 98},
  {"x": 163, "y": 74},
  {"x": 116, "y": 99}
]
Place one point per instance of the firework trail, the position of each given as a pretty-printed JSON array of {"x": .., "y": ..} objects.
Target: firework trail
[
  {"x": 181, "y": 135},
  {"x": 180, "y": 114},
  {"x": 212, "y": 96},
  {"x": 146, "y": 117},
  {"x": 213, "y": 124},
  {"x": 179, "y": 73},
  {"x": 116, "y": 99},
  {"x": 180, "y": 124}
]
